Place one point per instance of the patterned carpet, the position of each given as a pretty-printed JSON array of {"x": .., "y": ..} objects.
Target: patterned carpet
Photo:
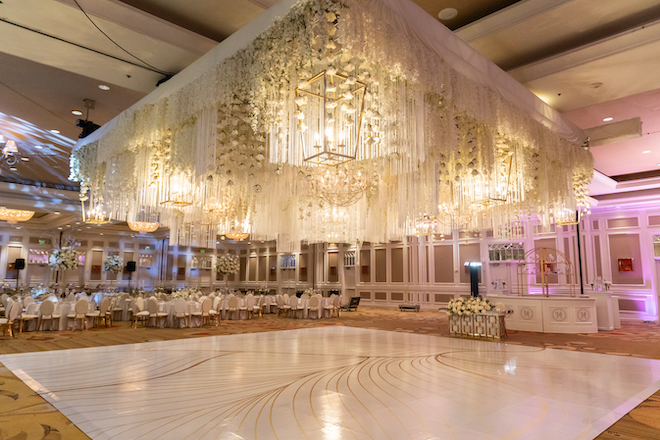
[{"x": 26, "y": 416}]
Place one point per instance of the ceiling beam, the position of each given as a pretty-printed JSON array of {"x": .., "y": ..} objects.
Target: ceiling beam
[
  {"x": 146, "y": 24},
  {"x": 638, "y": 37},
  {"x": 505, "y": 18}
]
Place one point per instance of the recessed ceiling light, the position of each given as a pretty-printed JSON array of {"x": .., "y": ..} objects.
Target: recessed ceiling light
[
  {"x": 100, "y": 233},
  {"x": 77, "y": 223},
  {"x": 13, "y": 169},
  {"x": 89, "y": 227},
  {"x": 76, "y": 112},
  {"x": 59, "y": 229},
  {"x": 595, "y": 85},
  {"x": 55, "y": 131},
  {"x": 608, "y": 119},
  {"x": 68, "y": 226},
  {"x": 38, "y": 147},
  {"x": 104, "y": 87},
  {"x": 25, "y": 159},
  {"x": 646, "y": 151},
  {"x": 447, "y": 14}
]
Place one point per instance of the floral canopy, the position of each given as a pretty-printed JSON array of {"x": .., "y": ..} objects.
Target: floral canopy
[{"x": 340, "y": 121}]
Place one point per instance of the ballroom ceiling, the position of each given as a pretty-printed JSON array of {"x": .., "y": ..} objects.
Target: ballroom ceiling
[{"x": 588, "y": 58}]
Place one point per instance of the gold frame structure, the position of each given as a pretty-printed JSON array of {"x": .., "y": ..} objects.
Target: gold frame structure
[
  {"x": 539, "y": 259},
  {"x": 329, "y": 156}
]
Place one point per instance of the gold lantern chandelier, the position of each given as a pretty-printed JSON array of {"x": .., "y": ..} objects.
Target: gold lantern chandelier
[
  {"x": 96, "y": 213},
  {"x": 426, "y": 225},
  {"x": 329, "y": 109},
  {"x": 13, "y": 216}
]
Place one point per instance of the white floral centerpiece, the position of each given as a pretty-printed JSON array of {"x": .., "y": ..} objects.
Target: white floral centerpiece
[
  {"x": 63, "y": 259},
  {"x": 227, "y": 264},
  {"x": 114, "y": 264},
  {"x": 309, "y": 292},
  {"x": 468, "y": 306},
  {"x": 39, "y": 292},
  {"x": 185, "y": 293}
]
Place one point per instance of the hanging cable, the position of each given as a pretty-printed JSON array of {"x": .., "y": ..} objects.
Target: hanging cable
[{"x": 163, "y": 72}]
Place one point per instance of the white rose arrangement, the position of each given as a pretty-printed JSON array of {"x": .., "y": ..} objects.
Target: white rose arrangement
[
  {"x": 114, "y": 264},
  {"x": 227, "y": 264},
  {"x": 309, "y": 292},
  {"x": 39, "y": 292},
  {"x": 468, "y": 306},
  {"x": 63, "y": 259},
  {"x": 185, "y": 293}
]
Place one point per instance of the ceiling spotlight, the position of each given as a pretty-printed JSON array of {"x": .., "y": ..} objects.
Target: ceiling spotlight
[
  {"x": 595, "y": 85},
  {"x": 13, "y": 169},
  {"x": 447, "y": 14},
  {"x": 38, "y": 147},
  {"x": 56, "y": 212},
  {"x": 25, "y": 159},
  {"x": 55, "y": 131},
  {"x": 104, "y": 87},
  {"x": 76, "y": 112},
  {"x": 59, "y": 229},
  {"x": 646, "y": 151},
  {"x": 608, "y": 119}
]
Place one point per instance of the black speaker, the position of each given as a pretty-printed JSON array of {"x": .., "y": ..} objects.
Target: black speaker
[
  {"x": 19, "y": 264},
  {"x": 130, "y": 266}
]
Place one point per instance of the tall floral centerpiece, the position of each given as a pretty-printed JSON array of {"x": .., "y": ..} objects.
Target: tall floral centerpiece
[
  {"x": 227, "y": 264},
  {"x": 61, "y": 259},
  {"x": 113, "y": 264}
]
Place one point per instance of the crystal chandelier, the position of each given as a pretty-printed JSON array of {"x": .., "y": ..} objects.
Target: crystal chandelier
[
  {"x": 12, "y": 216},
  {"x": 342, "y": 185},
  {"x": 143, "y": 227},
  {"x": 333, "y": 105},
  {"x": 426, "y": 225},
  {"x": 239, "y": 231}
]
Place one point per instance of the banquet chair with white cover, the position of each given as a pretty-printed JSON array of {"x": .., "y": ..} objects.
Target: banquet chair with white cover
[
  {"x": 313, "y": 306},
  {"x": 258, "y": 306},
  {"x": 7, "y": 323},
  {"x": 180, "y": 312},
  {"x": 47, "y": 312},
  {"x": 27, "y": 301},
  {"x": 152, "y": 308},
  {"x": 3, "y": 303},
  {"x": 97, "y": 298},
  {"x": 293, "y": 306},
  {"x": 79, "y": 312},
  {"x": 274, "y": 304},
  {"x": 247, "y": 307},
  {"x": 232, "y": 306},
  {"x": 333, "y": 306},
  {"x": 283, "y": 305},
  {"x": 139, "y": 314},
  {"x": 104, "y": 312},
  {"x": 26, "y": 316},
  {"x": 205, "y": 313}
]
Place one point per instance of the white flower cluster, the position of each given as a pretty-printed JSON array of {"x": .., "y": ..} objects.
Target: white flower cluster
[
  {"x": 468, "y": 306},
  {"x": 114, "y": 264},
  {"x": 185, "y": 293},
  {"x": 227, "y": 264},
  {"x": 39, "y": 291},
  {"x": 63, "y": 259},
  {"x": 309, "y": 292}
]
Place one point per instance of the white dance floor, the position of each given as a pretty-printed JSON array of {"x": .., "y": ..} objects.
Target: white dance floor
[{"x": 336, "y": 383}]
